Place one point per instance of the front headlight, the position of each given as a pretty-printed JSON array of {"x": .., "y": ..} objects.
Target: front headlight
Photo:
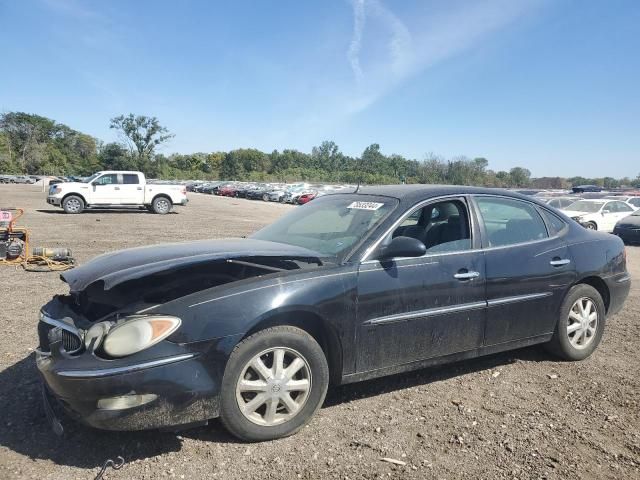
[{"x": 138, "y": 333}]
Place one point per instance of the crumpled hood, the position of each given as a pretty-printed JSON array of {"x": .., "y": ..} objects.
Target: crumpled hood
[{"x": 118, "y": 267}]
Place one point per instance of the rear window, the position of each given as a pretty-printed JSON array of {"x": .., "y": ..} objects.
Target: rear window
[
  {"x": 130, "y": 179},
  {"x": 508, "y": 222},
  {"x": 554, "y": 223}
]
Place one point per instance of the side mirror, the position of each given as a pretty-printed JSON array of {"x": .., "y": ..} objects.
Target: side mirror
[
  {"x": 604, "y": 212},
  {"x": 403, "y": 247}
]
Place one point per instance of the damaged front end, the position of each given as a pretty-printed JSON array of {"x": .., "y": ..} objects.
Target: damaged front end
[{"x": 106, "y": 351}]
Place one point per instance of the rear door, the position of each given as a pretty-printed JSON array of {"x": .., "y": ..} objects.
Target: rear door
[
  {"x": 529, "y": 268},
  {"x": 412, "y": 309},
  {"x": 618, "y": 210},
  {"x": 131, "y": 189}
]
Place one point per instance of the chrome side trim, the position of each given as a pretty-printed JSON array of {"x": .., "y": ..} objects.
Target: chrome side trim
[
  {"x": 105, "y": 372},
  {"x": 428, "y": 312},
  {"x": 517, "y": 298}
]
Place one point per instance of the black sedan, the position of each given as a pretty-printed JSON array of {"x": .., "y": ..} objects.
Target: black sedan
[
  {"x": 628, "y": 229},
  {"x": 349, "y": 287}
]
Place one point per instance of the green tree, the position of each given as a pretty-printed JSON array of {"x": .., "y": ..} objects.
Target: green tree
[
  {"x": 142, "y": 135},
  {"x": 520, "y": 177}
]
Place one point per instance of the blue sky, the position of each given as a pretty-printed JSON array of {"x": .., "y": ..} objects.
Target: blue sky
[{"x": 552, "y": 85}]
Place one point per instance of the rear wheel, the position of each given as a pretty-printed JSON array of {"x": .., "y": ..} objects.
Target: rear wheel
[
  {"x": 274, "y": 382},
  {"x": 591, "y": 226},
  {"x": 581, "y": 324},
  {"x": 73, "y": 204},
  {"x": 161, "y": 205}
]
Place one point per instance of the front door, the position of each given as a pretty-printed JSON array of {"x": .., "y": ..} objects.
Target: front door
[
  {"x": 529, "y": 268},
  {"x": 105, "y": 190},
  {"x": 412, "y": 309}
]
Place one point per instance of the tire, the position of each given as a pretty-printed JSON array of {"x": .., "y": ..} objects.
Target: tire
[
  {"x": 591, "y": 226},
  {"x": 565, "y": 342},
  {"x": 161, "y": 205},
  {"x": 265, "y": 197},
  {"x": 73, "y": 204},
  {"x": 284, "y": 419}
]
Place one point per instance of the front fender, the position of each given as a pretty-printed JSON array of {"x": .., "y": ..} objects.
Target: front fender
[{"x": 328, "y": 293}]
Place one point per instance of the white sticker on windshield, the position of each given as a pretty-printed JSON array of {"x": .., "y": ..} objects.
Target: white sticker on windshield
[{"x": 366, "y": 205}]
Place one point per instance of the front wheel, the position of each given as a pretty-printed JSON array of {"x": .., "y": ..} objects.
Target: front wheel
[
  {"x": 161, "y": 205},
  {"x": 73, "y": 204},
  {"x": 581, "y": 324},
  {"x": 274, "y": 382},
  {"x": 591, "y": 226}
]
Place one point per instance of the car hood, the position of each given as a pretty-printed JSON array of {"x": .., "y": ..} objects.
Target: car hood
[
  {"x": 117, "y": 267},
  {"x": 630, "y": 221},
  {"x": 575, "y": 213}
]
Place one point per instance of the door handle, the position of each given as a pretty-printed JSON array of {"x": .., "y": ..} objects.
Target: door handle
[
  {"x": 117, "y": 188},
  {"x": 466, "y": 275},
  {"x": 139, "y": 188},
  {"x": 559, "y": 262}
]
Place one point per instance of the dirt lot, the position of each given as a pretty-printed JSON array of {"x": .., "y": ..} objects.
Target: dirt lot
[{"x": 519, "y": 415}]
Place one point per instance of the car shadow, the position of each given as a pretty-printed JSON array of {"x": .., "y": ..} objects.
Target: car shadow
[
  {"x": 102, "y": 210},
  {"x": 25, "y": 428},
  {"x": 27, "y": 431},
  {"x": 369, "y": 388}
]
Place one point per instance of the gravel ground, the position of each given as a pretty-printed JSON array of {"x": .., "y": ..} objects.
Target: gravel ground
[{"x": 520, "y": 414}]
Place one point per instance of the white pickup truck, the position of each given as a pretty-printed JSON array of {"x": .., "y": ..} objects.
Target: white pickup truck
[{"x": 116, "y": 189}]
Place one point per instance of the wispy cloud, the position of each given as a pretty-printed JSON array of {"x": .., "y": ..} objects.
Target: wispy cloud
[
  {"x": 385, "y": 50},
  {"x": 353, "y": 54}
]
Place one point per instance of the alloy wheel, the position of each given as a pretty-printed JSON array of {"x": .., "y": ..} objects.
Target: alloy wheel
[
  {"x": 273, "y": 386},
  {"x": 583, "y": 323},
  {"x": 73, "y": 205}
]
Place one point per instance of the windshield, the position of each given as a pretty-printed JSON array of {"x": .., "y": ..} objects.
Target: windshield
[
  {"x": 584, "y": 206},
  {"x": 331, "y": 225},
  {"x": 91, "y": 178}
]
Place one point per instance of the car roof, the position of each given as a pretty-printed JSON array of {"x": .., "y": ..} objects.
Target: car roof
[{"x": 417, "y": 192}]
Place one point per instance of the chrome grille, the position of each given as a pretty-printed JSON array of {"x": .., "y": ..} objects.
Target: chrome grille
[
  {"x": 51, "y": 330},
  {"x": 70, "y": 341}
]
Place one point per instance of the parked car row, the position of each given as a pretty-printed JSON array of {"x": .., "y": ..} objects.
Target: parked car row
[
  {"x": 613, "y": 213},
  {"x": 18, "y": 179},
  {"x": 297, "y": 194}
]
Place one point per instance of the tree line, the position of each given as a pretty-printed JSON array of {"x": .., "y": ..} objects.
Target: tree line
[{"x": 32, "y": 144}]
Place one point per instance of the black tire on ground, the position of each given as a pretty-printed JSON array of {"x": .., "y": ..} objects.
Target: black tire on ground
[
  {"x": 561, "y": 343},
  {"x": 288, "y": 338},
  {"x": 161, "y": 205},
  {"x": 73, "y": 204},
  {"x": 591, "y": 226}
]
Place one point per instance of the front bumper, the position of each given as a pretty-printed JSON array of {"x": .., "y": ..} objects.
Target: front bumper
[
  {"x": 185, "y": 393},
  {"x": 54, "y": 201},
  {"x": 183, "y": 379}
]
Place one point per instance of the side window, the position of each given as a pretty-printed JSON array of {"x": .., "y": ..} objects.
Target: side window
[
  {"x": 623, "y": 207},
  {"x": 108, "y": 179},
  {"x": 507, "y": 221},
  {"x": 554, "y": 224},
  {"x": 130, "y": 179},
  {"x": 635, "y": 202},
  {"x": 442, "y": 226}
]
